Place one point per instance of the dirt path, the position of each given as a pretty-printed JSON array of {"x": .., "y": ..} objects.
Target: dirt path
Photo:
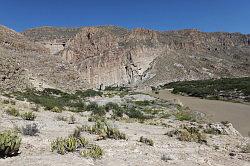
[{"x": 236, "y": 113}]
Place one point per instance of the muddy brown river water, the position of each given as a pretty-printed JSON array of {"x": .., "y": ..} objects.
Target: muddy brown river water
[{"x": 236, "y": 113}]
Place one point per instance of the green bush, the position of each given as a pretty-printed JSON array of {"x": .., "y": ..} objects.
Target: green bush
[
  {"x": 9, "y": 144},
  {"x": 28, "y": 116},
  {"x": 51, "y": 98},
  {"x": 89, "y": 93},
  {"x": 224, "y": 88},
  {"x": 142, "y": 103},
  {"x": 56, "y": 109},
  {"x": 134, "y": 113},
  {"x": 12, "y": 111},
  {"x": 184, "y": 116},
  {"x": 95, "y": 109}
]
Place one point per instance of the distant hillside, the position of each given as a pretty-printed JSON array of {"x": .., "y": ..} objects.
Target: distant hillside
[{"x": 109, "y": 55}]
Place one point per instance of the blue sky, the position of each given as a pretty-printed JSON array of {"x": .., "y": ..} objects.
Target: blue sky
[{"x": 205, "y": 15}]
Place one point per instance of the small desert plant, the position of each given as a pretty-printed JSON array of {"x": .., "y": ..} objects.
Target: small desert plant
[
  {"x": 77, "y": 132},
  {"x": 61, "y": 118},
  {"x": 95, "y": 118},
  {"x": 30, "y": 129},
  {"x": 146, "y": 141},
  {"x": 246, "y": 148},
  {"x": 6, "y": 101},
  {"x": 166, "y": 158},
  {"x": 56, "y": 109},
  {"x": 94, "y": 151},
  {"x": 12, "y": 111},
  {"x": 72, "y": 119},
  {"x": 12, "y": 102},
  {"x": 184, "y": 116},
  {"x": 189, "y": 134},
  {"x": 28, "y": 116},
  {"x": 70, "y": 144},
  {"x": 95, "y": 109},
  {"x": 9, "y": 143},
  {"x": 104, "y": 130},
  {"x": 142, "y": 103}
]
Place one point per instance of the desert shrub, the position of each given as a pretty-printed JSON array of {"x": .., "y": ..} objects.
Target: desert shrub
[
  {"x": 51, "y": 98},
  {"x": 184, "y": 116},
  {"x": 118, "y": 112},
  {"x": 212, "y": 130},
  {"x": 134, "y": 113},
  {"x": 99, "y": 112},
  {"x": 142, "y": 103},
  {"x": 6, "y": 101},
  {"x": 28, "y": 116},
  {"x": 146, "y": 141},
  {"x": 189, "y": 134},
  {"x": 104, "y": 130},
  {"x": 12, "y": 102},
  {"x": 246, "y": 148},
  {"x": 95, "y": 118},
  {"x": 95, "y": 109},
  {"x": 72, "y": 119},
  {"x": 69, "y": 144},
  {"x": 9, "y": 144},
  {"x": 89, "y": 93},
  {"x": 92, "y": 106},
  {"x": 93, "y": 151},
  {"x": 61, "y": 118},
  {"x": 116, "y": 88},
  {"x": 166, "y": 158},
  {"x": 56, "y": 109},
  {"x": 111, "y": 106},
  {"x": 77, "y": 132},
  {"x": 12, "y": 111},
  {"x": 30, "y": 129}
]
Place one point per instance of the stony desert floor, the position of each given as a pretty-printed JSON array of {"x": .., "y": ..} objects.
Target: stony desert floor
[{"x": 35, "y": 150}]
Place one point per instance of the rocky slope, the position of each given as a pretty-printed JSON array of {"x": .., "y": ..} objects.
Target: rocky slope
[
  {"x": 115, "y": 56},
  {"x": 15, "y": 41},
  {"x": 25, "y": 63}
]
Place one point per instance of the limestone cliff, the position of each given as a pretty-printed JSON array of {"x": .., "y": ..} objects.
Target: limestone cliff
[{"x": 109, "y": 55}]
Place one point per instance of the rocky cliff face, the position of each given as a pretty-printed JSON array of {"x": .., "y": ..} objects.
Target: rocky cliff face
[
  {"x": 109, "y": 55},
  {"x": 116, "y": 56}
]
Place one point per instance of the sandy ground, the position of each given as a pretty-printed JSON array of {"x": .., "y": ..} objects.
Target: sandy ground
[{"x": 236, "y": 113}]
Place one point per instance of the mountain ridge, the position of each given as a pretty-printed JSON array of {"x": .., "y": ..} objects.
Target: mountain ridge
[{"x": 110, "y": 55}]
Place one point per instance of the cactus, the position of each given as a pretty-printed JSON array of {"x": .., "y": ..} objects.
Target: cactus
[
  {"x": 9, "y": 143},
  {"x": 104, "y": 130},
  {"x": 69, "y": 144}
]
